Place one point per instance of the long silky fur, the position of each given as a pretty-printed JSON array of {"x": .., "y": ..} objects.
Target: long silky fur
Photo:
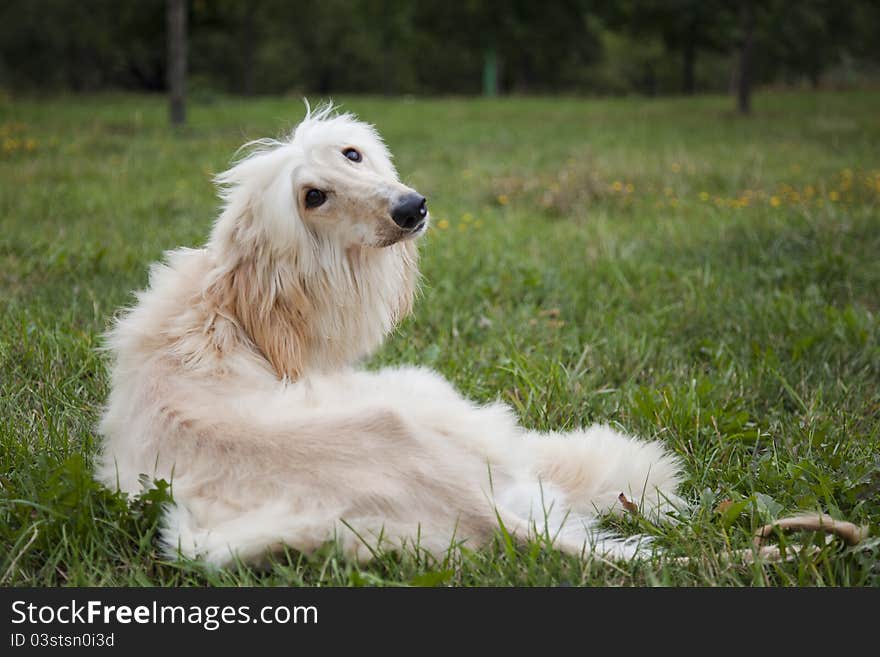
[{"x": 234, "y": 378}]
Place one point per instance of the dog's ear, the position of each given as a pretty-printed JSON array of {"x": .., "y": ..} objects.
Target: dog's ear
[
  {"x": 259, "y": 203},
  {"x": 270, "y": 310}
]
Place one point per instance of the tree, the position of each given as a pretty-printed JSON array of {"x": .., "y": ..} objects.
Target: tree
[
  {"x": 176, "y": 11},
  {"x": 686, "y": 27},
  {"x": 744, "y": 84}
]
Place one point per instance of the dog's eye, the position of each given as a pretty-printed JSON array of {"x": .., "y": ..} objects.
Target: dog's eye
[
  {"x": 314, "y": 198},
  {"x": 352, "y": 154}
]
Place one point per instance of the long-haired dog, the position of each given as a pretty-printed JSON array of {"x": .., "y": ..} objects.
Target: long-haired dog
[{"x": 233, "y": 379}]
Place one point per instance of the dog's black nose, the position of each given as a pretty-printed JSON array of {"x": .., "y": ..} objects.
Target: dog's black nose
[{"x": 410, "y": 211}]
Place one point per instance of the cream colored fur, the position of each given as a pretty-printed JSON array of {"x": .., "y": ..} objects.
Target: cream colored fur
[{"x": 233, "y": 379}]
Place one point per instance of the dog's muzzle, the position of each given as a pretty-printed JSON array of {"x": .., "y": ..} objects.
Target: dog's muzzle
[{"x": 410, "y": 212}]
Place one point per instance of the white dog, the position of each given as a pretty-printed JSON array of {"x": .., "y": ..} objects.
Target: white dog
[{"x": 232, "y": 380}]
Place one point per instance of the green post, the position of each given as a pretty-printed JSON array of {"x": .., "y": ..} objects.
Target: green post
[{"x": 490, "y": 73}]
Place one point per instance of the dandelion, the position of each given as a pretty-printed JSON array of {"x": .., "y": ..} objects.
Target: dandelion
[
  {"x": 617, "y": 186},
  {"x": 467, "y": 217},
  {"x": 775, "y": 201},
  {"x": 704, "y": 196},
  {"x": 630, "y": 188},
  {"x": 462, "y": 228},
  {"x": 443, "y": 224},
  {"x": 834, "y": 195},
  {"x": 673, "y": 203},
  {"x": 503, "y": 199},
  {"x": 668, "y": 191},
  {"x": 30, "y": 144}
]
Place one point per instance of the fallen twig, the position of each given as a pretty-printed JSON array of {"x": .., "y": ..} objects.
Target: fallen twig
[
  {"x": 819, "y": 522},
  {"x": 852, "y": 534}
]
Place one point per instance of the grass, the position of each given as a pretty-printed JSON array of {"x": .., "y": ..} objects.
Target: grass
[{"x": 704, "y": 279}]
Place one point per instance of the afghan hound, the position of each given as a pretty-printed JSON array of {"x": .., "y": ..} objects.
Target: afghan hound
[{"x": 234, "y": 378}]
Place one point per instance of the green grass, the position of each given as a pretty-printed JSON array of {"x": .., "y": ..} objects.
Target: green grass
[{"x": 704, "y": 279}]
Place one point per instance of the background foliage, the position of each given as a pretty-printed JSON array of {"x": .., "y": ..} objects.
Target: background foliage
[{"x": 421, "y": 47}]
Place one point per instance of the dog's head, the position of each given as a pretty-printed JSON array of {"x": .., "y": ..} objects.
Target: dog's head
[
  {"x": 332, "y": 181},
  {"x": 346, "y": 186},
  {"x": 314, "y": 256}
]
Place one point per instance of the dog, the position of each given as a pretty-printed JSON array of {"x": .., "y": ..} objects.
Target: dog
[{"x": 234, "y": 378}]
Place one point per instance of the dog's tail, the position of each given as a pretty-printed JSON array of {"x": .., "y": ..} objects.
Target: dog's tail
[{"x": 595, "y": 466}]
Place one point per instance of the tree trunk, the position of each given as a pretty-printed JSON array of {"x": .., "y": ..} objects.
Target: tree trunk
[
  {"x": 744, "y": 90},
  {"x": 176, "y": 13},
  {"x": 490, "y": 72}
]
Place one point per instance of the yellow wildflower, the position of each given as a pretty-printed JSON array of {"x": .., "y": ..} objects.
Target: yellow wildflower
[
  {"x": 704, "y": 196},
  {"x": 774, "y": 201},
  {"x": 443, "y": 224},
  {"x": 503, "y": 200},
  {"x": 834, "y": 195},
  {"x": 617, "y": 186}
]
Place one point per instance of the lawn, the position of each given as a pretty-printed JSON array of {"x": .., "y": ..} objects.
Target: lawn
[{"x": 689, "y": 275}]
